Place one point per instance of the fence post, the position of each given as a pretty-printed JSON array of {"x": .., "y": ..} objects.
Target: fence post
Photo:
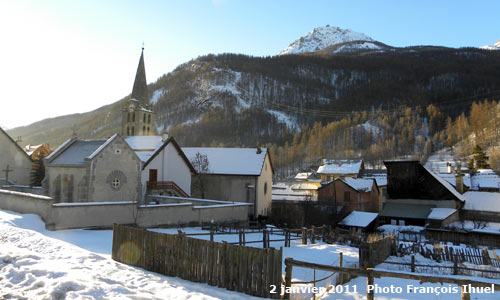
[
  {"x": 264, "y": 239},
  {"x": 304, "y": 236},
  {"x": 240, "y": 238},
  {"x": 341, "y": 275},
  {"x": 288, "y": 278},
  {"x": 312, "y": 235},
  {"x": 369, "y": 291},
  {"x": 211, "y": 235},
  {"x": 314, "y": 283},
  {"x": 413, "y": 263},
  {"x": 455, "y": 267}
]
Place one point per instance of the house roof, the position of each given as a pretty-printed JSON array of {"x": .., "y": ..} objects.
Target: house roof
[
  {"x": 359, "y": 219},
  {"x": 485, "y": 179},
  {"x": 440, "y": 213},
  {"x": 282, "y": 191},
  {"x": 453, "y": 181},
  {"x": 14, "y": 142},
  {"x": 341, "y": 166},
  {"x": 447, "y": 185},
  {"x": 231, "y": 161},
  {"x": 359, "y": 184},
  {"x": 172, "y": 141},
  {"x": 302, "y": 175},
  {"x": 144, "y": 143},
  {"x": 482, "y": 201},
  {"x": 407, "y": 211},
  {"x": 304, "y": 186},
  {"x": 76, "y": 153}
]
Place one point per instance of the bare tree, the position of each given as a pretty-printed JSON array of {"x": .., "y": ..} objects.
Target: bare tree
[{"x": 202, "y": 166}]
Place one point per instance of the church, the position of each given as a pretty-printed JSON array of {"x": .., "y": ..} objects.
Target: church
[{"x": 112, "y": 169}]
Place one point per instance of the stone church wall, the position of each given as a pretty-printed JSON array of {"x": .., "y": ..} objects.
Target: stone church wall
[{"x": 18, "y": 161}]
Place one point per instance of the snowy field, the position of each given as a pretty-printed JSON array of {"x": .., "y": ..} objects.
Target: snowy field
[{"x": 76, "y": 264}]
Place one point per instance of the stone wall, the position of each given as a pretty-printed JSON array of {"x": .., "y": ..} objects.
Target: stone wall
[{"x": 104, "y": 214}]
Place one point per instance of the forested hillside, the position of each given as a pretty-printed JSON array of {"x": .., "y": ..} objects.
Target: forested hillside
[{"x": 349, "y": 104}]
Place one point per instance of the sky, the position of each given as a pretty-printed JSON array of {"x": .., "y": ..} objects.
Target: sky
[{"x": 64, "y": 57}]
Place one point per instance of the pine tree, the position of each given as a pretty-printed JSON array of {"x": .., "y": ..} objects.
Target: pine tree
[
  {"x": 37, "y": 172},
  {"x": 480, "y": 160}
]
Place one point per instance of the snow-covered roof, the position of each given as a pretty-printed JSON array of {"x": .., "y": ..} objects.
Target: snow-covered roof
[
  {"x": 76, "y": 153},
  {"x": 144, "y": 155},
  {"x": 359, "y": 184},
  {"x": 485, "y": 179},
  {"x": 341, "y": 166},
  {"x": 304, "y": 186},
  {"x": 94, "y": 154},
  {"x": 359, "y": 219},
  {"x": 452, "y": 179},
  {"x": 302, "y": 176},
  {"x": 286, "y": 191},
  {"x": 230, "y": 161},
  {"x": 446, "y": 184},
  {"x": 482, "y": 201},
  {"x": 440, "y": 213},
  {"x": 144, "y": 143}
]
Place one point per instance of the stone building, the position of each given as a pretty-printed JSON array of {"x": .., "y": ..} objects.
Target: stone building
[
  {"x": 138, "y": 117},
  {"x": 351, "y": 194},
  {"x": 93, "y": 171},
  {"x": 235, "y": 174},
  {"x": 15, "y": 164}
]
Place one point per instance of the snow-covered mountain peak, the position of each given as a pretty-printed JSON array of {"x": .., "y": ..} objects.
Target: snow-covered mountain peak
[
  {"x": 322, "y": 37},
  {"x": 495, "y": 46}
]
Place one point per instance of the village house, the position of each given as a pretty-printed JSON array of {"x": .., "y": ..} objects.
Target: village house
[
  {"x": 337, "y": 168},
  {"x": 359, "y": 221},
  {"x": 235, "y": 174},
  {"x": 413, "y": 191},
  {"x": 15, "y": 163},
  {"x": 37, "y": 151},
  {"x": 351, "y": 194}
]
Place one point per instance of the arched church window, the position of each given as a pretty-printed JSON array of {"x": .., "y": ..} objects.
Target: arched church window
[
  {"x": 133, "y": 117},
  {"x": 128, "y": 131},
  {"x": 128, "y": 117},
  {"x": 149, "y": 119},
  {"x": 144, "y": 118}
]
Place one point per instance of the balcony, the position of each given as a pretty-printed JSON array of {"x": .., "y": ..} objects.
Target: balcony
[{"x": 166, "y": 186}]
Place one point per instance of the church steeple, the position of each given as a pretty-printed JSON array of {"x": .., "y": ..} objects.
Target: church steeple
[
  {"x": 140, "y": 89},
  {"x": 138, "y": 117}
]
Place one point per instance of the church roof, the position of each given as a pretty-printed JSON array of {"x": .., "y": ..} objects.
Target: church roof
[
  {"x": 77, "y": 152},
  {"x": 14, "y": 142},
  {"x": 140, "y": 89}
]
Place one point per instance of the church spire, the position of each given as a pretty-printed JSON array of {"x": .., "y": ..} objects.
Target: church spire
[{"x": 140, "y": 90}]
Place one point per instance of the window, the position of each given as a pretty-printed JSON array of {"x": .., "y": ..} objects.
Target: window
[
  {"x": 118, "y": 151},
  {"x": 143, "y": 128},
  {"x": 144, "y": 118},
  {"x": 133, "y": 131},
  {"x": 133, "y": 117},
  {"x": 128, "y": 131},
  {"x": 115, "y": 183},
  {"x": 265, "y": 188},
  {"x": 149, "y": 119}
]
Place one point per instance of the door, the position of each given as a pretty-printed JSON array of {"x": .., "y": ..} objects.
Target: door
[{"x": 153, "y": 175}]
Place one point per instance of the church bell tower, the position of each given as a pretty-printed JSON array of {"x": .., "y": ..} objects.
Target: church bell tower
[{"x": 138, "y": 117}]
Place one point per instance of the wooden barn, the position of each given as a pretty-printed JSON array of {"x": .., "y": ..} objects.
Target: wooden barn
[{"x": 413, "y": 191}]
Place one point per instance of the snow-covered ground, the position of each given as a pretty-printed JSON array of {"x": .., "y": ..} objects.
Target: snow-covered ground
[{"x": 76, "y": 264}]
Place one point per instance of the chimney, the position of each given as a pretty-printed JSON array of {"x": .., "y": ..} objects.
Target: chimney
[
  {"x": 459, "y": 182},
  {"x": 164, "y": 135},
  {"x": 19, "y": 140}
]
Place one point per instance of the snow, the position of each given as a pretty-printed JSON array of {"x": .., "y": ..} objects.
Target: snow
[
  {"x": 495, "y": 46},
  {"x": 358, "y": 46},
  {"x": 359, "y": 184},
  {"x": 452, "y": 179},
  {"x": 302, "y": 176},
  {"x": 359, "y": 219},
  {"x": 485, "y": 179},
  {"x": 482, "y": 201},
  {"x": 304, "y": 186},
  {"x": 284, "y": 118},
  {"x": 144, "y": 155},
  {"x": 76, "y": 264},
  {"x": 157, "y": 95},
  {"x": 94, "y": 154},
  {"x": 144, "y": 143},
  {"x": 230, "y": 161},
  {"x": 387, "y": 229},
  {"x": 367, "y": 126},
  {"x": 34, "y": 196},
  {"x": 489, "y": 227},
  {"x": 323, "y": 37},
  {"x": 441, "y": 213},
  {"x": 340, "y": 167},
  {"x": 294, "y": 192},
  {"x": 93, "y": 203}
]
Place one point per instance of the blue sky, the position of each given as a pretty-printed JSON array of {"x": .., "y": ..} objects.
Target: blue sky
[{"x": 75, "y": 56}]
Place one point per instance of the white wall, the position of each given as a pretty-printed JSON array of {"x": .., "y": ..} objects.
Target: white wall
[
  {"x": 171, "y": 167},
  {"x": 17, "y": 160}
]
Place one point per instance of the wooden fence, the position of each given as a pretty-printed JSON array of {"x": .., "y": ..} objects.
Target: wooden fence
[
  {"x": 449, "y": 253},
  {"x": 243, "y": 269}
]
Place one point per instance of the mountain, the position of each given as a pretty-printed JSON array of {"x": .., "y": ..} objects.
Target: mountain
[
  {"x": 495, "y": 46},
  {"x": 335, "y": 38},
  {"x": 239, "y": 100}
]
